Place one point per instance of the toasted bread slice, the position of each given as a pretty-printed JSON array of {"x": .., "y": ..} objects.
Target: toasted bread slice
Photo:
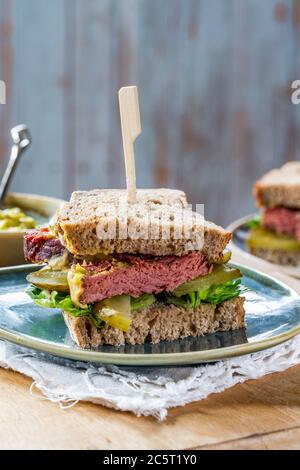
[
  {"x": 91, "y": 224},
  {"x": 279, "y": 187},
  {"x": 160, "y": 322}
]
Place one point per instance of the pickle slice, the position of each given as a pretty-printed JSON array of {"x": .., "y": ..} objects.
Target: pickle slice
[
  {"x": 49, "y": 279},
  {"x": 260, "y": 237},
  {"x": 115, "y": 311},
  {"x": 219, "y": 275},
  {"x": 226, "y": 256}
]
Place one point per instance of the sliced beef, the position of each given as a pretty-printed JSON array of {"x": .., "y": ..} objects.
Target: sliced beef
[
  {"x": 40, "y": 246},
  {"x": 283, "y": 221},
  {"x": 136, "y": 274},
  {"x": 123, "y": 273}
]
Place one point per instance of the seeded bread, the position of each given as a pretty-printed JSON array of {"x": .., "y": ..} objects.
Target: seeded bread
[
  {"x": 160, "y": 322},
  {"x": 287, "y": 258},
  {"x": 90, "y": 224},
  {"x": 279, "y": 187}
]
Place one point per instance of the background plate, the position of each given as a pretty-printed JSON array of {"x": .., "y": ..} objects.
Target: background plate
[
  {"x": 272, "y": 315},
  {"x": 240, "y": 232}
]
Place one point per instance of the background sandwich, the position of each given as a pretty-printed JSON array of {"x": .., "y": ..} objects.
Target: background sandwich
[{"x": 276, "y": 235}]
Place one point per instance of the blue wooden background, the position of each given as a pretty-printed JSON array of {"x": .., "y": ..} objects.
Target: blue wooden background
[{"x": 214, "y": 80}]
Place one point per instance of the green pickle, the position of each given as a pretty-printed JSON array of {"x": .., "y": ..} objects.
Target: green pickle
[
  {"x": 219, "y": 275},
  {"x": 115, "y": 311},
  {"x": 49, "y": 279},
  {"x": 260, "y": 237},
  {"x": 226, "y": 256},
  {"x": 15, "y": 219}
]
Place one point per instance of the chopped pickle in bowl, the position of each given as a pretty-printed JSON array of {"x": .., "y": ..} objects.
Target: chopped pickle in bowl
[{"x": 14, "y": 219}]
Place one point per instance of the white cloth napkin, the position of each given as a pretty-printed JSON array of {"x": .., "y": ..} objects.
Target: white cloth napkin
[{"x": 142, "y": 390}]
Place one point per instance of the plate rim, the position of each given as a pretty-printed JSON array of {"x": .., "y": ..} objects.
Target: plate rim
[
  {"x": 289, "y": 270},
  {"x": 155, "y": 359}
]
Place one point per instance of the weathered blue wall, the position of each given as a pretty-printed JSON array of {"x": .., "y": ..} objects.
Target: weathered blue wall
[{"x": 214, "y": 80}]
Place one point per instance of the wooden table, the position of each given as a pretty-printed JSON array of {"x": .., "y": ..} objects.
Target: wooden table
[{"x": 260, "y": 414}]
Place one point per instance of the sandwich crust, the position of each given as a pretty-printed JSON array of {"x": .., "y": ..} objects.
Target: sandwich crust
[
  {"x": 160, "y": 322},
  {"x": 80, "y": 221},
  {"x": 279, "y": 187},
  {"x": 171, "y": 197}
]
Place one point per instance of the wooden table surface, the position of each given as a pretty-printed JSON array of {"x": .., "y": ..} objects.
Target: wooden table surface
[{"x": 260, "y": 414}]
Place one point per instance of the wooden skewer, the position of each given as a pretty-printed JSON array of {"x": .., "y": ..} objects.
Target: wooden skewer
[{"x": 131, "y": 129}]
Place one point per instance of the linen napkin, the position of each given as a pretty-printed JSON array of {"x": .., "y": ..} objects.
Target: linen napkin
[{"x": 142, "y": 390}]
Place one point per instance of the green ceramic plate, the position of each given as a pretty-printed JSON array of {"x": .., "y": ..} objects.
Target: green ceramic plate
[{"x": 272, "y": 314}]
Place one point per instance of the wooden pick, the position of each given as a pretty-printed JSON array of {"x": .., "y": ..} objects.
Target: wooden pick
[{"x": 131, "y": 129}]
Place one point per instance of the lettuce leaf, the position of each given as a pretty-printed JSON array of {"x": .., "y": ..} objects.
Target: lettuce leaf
[
  {"x": 61, "y": 300},
  {"x": 215, "y": 294},
  {"x": 220, "y": 293},
  {"x": 55, "y": 299},
  {"x": 142, "y": 301},
  {"x": 253, "y": 223}
]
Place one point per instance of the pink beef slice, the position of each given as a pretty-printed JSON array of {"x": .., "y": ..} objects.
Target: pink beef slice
[
  {"x": 282, "y": 221},
  {"x": 140, "y": 274},
  {"x": 40, "y": 246}
]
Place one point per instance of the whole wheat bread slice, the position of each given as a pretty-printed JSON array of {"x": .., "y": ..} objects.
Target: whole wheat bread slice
[
  {"x": 160, "y": 322},
  {"x": 287, "y": 258},
  {"x": 279, "y": 187},
  {"x": 89, "y": 225}
]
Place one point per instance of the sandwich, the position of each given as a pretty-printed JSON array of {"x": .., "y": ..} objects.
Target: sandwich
[
  {"x": 134, "y": 289},
  {"x": 275, "y": 234}
]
